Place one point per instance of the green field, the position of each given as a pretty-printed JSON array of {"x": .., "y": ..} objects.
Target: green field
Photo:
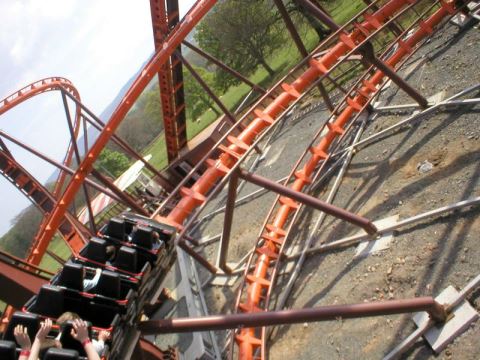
[{"x": 58, "y": 247}]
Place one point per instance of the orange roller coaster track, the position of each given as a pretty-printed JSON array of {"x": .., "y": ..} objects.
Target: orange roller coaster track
[
  {"x": 39, "y": 87},
  {"x": 25, "y": 181}
]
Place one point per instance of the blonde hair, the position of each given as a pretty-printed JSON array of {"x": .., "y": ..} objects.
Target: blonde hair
[{"x": 66, "y": 316}]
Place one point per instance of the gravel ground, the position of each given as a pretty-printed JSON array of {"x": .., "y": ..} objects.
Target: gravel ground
[{"x": 383, "y": 180}]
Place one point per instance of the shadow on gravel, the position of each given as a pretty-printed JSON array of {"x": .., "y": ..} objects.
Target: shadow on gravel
[
  {"x": 386, "y": 168},
  {"x": 382, "y": 171},
  {"x": 448, "y": 250}
]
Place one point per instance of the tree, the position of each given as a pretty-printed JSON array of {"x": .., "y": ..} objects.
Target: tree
[
  {"x": 152, "y": 107},
  {"x": 144, "y": 122},
  {"x": 24, "y": 227},
  {"x": 242, "y": 34},
  {"x": 112, "y": 162},
  {"x": 196, "y": 98}
]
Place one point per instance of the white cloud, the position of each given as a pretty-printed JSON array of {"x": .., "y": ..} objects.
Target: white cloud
[{"x": 52, "y": 9}]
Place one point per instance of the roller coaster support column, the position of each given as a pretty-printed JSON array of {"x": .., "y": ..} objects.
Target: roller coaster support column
[
  {"x": 305, "y": 199},
  {"x": 227, "y": 225},
  {"x": 73, "y": 142},
  {"x": 324, "y": 313},
  {"x": 301, "y": 47},
  {"x": 368, "y": 53}
]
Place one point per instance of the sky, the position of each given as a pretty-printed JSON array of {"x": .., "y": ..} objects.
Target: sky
[{"x": 96, "y": 44}]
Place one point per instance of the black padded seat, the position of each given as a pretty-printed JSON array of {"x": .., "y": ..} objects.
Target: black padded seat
[
  {"x": 116, "y": 229},
  {"x": 165, "y": 231},
  {"x": 108, "y": 285},
  {"x": 71, "y": 276},
  {"x": 49, "y": 301},
  {"x": 101, "y": 315},
  {"x": 143, "y": 237},
  {"x": 30, "y": 321},
  {"x": 60, "y": 354},
  {"x": 96, "y": 250},
  {"x": 7, "y": 350},
  {"x": 126, "y": 259}
]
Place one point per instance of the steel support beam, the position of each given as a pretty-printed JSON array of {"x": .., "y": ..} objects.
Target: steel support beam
[
  {"x": 225, "y": 67},
  {"x": 320, "y": 14},
  {"x": 308, "y": 200},
  {"x": 301, "y": 47},
  {"x": 174, "y": 126},
  {"x": 199, "y": 258},
  {"x": 55, "y": 257},
  {"x": 207, "y": 89},
  {"x": 57, "y": 164},
  {"x": 227, "y": 224},
  {"x": 76, "y": 152},
  {"x": 125, "y": 198},
  {"x": 323, "y": 313},
  {"x": 368, "y": 53},
  {"x": 100, "y": 125},
  {"x": 355, "y": 239},
  {"x": 5, "y": 149}
]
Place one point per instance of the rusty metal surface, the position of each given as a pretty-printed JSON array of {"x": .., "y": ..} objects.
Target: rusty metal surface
[
  {"x": 18, "y": 283},
  {"x": 268, "y": 318}
]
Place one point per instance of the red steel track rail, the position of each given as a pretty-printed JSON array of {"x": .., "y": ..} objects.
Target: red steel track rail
[{"x": 73, "y": 232}]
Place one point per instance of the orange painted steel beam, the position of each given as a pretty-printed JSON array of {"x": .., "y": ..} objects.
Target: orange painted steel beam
[{"x": 172, "y": 41}]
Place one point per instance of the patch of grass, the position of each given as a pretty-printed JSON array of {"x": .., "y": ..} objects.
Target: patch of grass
[
  {"x": 158, "y": 149},
  {"x": 344, "y": 10},
  {"x": 59, "y": 248}
]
